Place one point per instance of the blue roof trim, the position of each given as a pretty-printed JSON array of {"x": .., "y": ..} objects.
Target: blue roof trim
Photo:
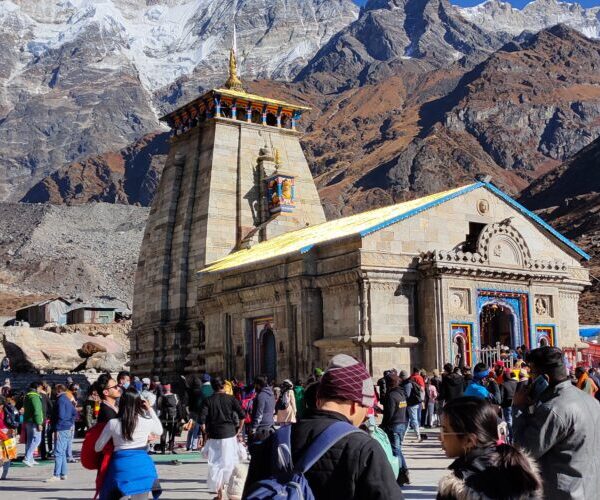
[
  {"x": 515, "y": 204},
  {"x": 422, "y": 208},
  {"x": 306, "y": 248}
]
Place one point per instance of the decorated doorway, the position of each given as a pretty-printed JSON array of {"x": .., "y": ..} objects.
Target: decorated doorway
[{"x": 503, "y": 319}]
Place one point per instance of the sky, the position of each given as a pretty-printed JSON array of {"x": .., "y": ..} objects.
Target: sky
[{"x": 516, "y": 3}]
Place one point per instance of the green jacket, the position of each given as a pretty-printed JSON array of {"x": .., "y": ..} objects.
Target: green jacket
[{"x": 33, "y": 408}]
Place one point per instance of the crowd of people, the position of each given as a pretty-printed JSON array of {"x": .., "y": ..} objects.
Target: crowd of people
[{"x": 520, "y": 432}]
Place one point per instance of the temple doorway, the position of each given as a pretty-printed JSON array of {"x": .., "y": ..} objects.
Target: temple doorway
[
  {"x": 261, "y": 349},
  {"x": 497, "y": 326},
  {"x": 268, "y": 355}
]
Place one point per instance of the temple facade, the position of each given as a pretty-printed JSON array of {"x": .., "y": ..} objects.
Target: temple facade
[{"x": 240, "y": 274}]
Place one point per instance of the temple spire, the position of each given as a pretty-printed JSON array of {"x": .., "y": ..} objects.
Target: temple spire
[{"x": 233, "y": 81}]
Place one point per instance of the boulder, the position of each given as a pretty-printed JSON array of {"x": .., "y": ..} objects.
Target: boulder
[
  {"x": 106, "y": 362},
  {"x": 90, "y": 348},
  {"x": 35, "y": 349}
]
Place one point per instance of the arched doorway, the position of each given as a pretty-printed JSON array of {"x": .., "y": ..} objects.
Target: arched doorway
[
  {"x": 497, "y": 325},
  {"x": 268, "y": 354}
]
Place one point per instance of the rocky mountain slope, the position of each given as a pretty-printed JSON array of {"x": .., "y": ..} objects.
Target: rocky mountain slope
[
  {"x": 88, "y": 251},
  {"x": 129, "y": 176},
  {"x": 569, "y": 198},
  {"x": 396, "y": 36},
  {"x": 497, "y": 15},
  {"x": 81, "y": 77}
]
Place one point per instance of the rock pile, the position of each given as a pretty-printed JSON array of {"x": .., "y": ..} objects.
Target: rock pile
[
  {"x": 88, "y": 251},
  {"x": 70, "y": 349}
]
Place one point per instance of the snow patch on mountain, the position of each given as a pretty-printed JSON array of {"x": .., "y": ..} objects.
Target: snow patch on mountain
[
  {"x": 498, "y": 15},
  {"x": 168, "y": 39}
]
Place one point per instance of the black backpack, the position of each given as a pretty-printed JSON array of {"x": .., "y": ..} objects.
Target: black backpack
[
  {"x": 282, "y": 403},
  {"x": 415, "y": 394},
  {"x": 10, "y": 418},
  {"x": 169, "y": 406}
]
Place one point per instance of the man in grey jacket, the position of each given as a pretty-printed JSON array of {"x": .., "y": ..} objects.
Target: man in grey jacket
[
  {"x": 263, "y": 410},
  {"x": 560, "y": 426}
]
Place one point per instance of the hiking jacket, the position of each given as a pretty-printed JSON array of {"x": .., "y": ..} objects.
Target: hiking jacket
[
  {"x": 451, "y": 387},
  {"x": 32, "y": 406},
  {"x": 481, "y": 475},
  {"x": 263, "y": 409},
  {"x": 394, "y": 409},
  {"x": 562, "y": 431},
  {"x": 354, "y": 468}
]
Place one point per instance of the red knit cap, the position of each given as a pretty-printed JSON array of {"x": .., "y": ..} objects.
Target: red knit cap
[{"x": 347, "y": 378}]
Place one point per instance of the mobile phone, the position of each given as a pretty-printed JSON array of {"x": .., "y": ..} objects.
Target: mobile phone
[{"x": 539, "y": 385}]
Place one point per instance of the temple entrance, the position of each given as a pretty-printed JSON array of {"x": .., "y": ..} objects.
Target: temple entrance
[
  {"x": 261, "y": 358},
  {"x": 268, "y": 358},
  {"x": 497, "y": 326}
]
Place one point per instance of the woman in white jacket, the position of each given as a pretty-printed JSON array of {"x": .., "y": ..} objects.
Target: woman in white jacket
[
  {"x": 286, "y": 404},
  {"x": 131, "y": 472}
]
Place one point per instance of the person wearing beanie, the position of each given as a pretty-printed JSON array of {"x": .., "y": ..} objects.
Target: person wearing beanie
[
  {"x": 559, "y": 426},
  {"x": 414, "y": 400},
  {"x": 355, "y": 467},
  {"x": 395, "y": 422}
]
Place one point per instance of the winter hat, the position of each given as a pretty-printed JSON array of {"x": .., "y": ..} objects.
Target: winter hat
[
  {"x": 347, "y": 378},
  {"x": 146, "y": 381},
  {"x": 403, "y": 374},
  {"x": 205, "y": 377}
]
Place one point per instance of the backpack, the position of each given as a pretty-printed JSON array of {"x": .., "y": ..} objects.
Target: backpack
[
  {"x": 282, "y": 402},
  {"x": 169, "y": 408},
  {"x": 288, "y": 480},
  {"x": 415, "y": 394},
  {"x": 10, "y": 418}
]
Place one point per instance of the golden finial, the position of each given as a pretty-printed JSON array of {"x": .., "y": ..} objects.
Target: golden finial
[{"x": 233, "y": 81}]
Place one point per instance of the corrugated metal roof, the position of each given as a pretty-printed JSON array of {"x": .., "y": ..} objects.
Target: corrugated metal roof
[
  {"x": 304, "y": 239},
  {"x": 44, "y": 302}
]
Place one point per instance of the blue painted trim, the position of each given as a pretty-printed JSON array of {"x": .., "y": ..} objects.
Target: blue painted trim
[
  {"x": 420, "y": 209},
  {"x": 515, "y": 204}
]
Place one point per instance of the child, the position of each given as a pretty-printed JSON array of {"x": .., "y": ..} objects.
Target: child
[{"x": 485, "y": 466}]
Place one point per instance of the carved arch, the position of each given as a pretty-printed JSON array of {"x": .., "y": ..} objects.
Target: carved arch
[{"x": 503, "y": 237}]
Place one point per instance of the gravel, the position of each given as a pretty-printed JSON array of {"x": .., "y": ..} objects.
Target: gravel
[{"x": 89, "y": 251}]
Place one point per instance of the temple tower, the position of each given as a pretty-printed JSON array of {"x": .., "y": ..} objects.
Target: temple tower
[{"x": 235, "y": 175}]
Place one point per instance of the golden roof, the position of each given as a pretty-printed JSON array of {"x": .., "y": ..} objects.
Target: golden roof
[{"x": 361, "y": 224}]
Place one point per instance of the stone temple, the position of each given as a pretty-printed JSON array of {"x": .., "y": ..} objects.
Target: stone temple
[{"x": 240, "y": 273}]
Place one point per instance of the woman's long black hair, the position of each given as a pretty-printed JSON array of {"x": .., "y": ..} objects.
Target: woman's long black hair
[
  {"x": 130, "y": 406},
  {"x": 477, "y": 417}
]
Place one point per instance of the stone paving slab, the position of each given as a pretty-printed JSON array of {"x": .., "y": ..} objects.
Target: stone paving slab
[{"x": 188, "y": 480}]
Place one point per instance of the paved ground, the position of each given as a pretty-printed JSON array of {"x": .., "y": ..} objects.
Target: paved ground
[{"x": 188, "y": 480}]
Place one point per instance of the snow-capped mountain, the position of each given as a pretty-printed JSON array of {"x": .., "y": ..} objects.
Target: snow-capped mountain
[
  {"x": 78, "y": 77},
  {"x": 166, "y": 39},
  {"x": 497, "y": 15}
]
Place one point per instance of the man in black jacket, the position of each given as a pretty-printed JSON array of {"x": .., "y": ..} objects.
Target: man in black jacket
[
  {"x": 507, "y": 391},
  {"x": 452, "y": 385},
  {"x": 395, "y": 422},
  {"x": 353, "y": 468}
]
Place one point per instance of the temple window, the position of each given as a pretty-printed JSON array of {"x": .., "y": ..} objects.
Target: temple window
[
  {"x": 475, "y": 229},
  {"x": 256, "y": 116},
  {"x": 285, "y": 121},
  {"x": 271, "y": 120},
  {"x": 225, "y": 111}
]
